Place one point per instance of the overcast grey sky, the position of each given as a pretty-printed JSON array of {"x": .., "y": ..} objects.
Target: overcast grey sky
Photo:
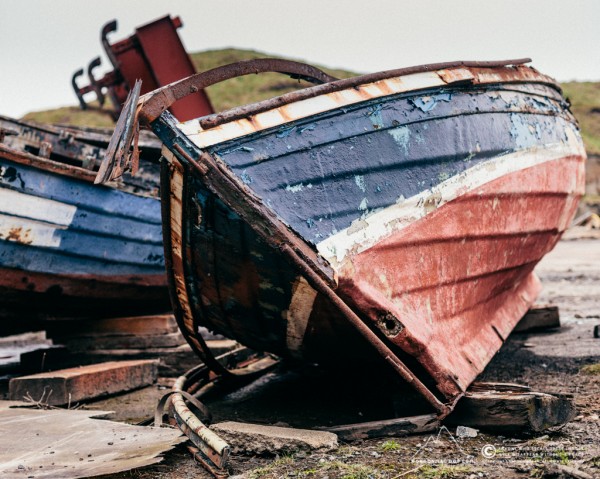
[{"x": 43, "y": 42}]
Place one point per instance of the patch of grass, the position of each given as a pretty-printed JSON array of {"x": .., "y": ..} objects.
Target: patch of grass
[
  {"x": 282, "y": 462},
  {"x": 591, "y": 369},
  {"x": 594, "y": 462},
  {"x": 585, "y": 105},
  {"x": 249, "y": 88},
  {"x": 390, "y": 445},
  {"x": 350, "y": 471},
  {"x": 72, "y": 115},
  {"x": 563, "y": 457}
]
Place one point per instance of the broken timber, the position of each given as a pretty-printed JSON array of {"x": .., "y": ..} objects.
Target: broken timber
[
  {"x": 539, "y": 318},
  {"x": 510, "y": 408},
  {"x": 403, "y": 426},
  {"x": 263, "y": 439}
]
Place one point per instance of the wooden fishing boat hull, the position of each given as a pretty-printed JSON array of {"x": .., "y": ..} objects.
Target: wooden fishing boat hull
[
  {"x": 408, "y": 208},
  {"x": 70, "y": 248}
]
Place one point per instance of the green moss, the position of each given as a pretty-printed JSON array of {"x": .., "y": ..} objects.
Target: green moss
[
  {"x": 591, "y": 369},
  {"x": 390, "y": 445}
]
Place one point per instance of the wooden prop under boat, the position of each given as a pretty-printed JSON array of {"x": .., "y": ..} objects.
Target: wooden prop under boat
[
  {"x": 406, "y": 207},
  {"x": 69, "y": 248}
]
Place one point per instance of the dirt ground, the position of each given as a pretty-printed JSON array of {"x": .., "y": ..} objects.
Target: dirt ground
[{"x": 558, "y": 361}]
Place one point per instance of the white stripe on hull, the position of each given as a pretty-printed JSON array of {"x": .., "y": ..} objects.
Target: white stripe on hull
[
  {"x": 29, "y": 232},
  {"x": 41, "y": 209},
  {"x": 365, "y": 232}
]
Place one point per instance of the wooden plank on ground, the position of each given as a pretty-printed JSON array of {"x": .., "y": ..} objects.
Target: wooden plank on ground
[
  {"x": 159, "y": 324},
  {"x": 504, "y": 408},
  {"x": 68, "y": 386},
  {"x": 121, "y": 341},
  {"x": 539, "y": 318}
]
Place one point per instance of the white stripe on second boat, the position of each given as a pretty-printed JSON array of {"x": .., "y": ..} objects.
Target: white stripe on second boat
[
  {"x": 33, "y": 220},
  {"x": 366, "y": 231}
]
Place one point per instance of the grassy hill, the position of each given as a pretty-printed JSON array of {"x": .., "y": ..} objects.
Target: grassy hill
[
  {"x": 584, "y": 96},
  {"x": 231, "y": 93},
  {"x": 585, "y": 105}
]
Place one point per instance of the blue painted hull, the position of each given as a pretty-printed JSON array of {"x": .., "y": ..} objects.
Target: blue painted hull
[{"x": 72, "y": 248}]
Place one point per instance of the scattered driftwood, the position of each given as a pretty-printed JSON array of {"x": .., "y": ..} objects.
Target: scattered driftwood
[
  {"x": 510, "y": 408},
  {"x": 68, "y": 386},
  {"x": 390, "y": 427},
  {"x": 67, "y": 444},
  {"x": 539, "y": 318}
]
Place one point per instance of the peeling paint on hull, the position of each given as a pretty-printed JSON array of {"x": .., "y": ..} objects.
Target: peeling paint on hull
[{"x": 430, "y": 207}]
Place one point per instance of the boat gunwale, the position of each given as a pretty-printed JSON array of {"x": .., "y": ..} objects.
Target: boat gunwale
[
  {"x": 566, "y": 114},
  {"x": 515, "y": 66},
  {"x": 245, "y": 116},
  {"x": 71, "y": 171}
]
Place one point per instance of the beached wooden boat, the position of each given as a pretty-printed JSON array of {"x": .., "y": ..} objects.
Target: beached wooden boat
[
  {"x": 70, "y": 248},
  {"x": 406, "y": 207}
]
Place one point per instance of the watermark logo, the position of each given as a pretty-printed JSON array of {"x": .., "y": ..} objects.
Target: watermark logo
[{"x": 488, "y": 451}]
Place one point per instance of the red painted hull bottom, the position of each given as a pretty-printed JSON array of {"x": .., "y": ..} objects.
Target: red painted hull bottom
[{"x": 449, "y": 288}]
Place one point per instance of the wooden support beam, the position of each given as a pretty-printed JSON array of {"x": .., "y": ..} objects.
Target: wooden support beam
[
  {"x": 509, "y": 408},
  {"x": 159, "y": 324},
  {"x": 121, "y": 341},
  {"x": 69, "y": 386},
  {"x": 539, "y": 318}
]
